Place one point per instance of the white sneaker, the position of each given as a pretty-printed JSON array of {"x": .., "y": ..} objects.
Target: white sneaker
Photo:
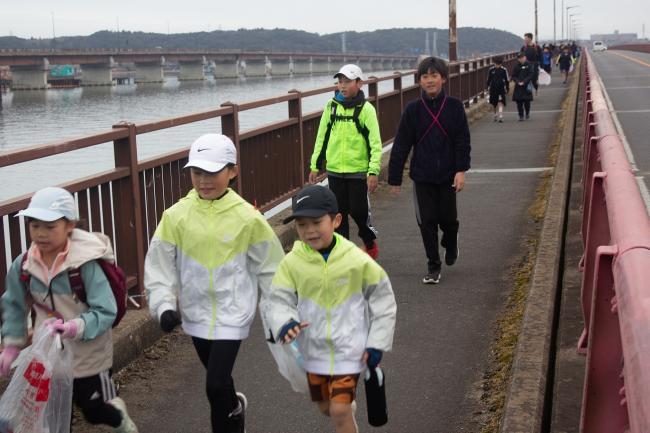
[{"x": 127, "y": 425}]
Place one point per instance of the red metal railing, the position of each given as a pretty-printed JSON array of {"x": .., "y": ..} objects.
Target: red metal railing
[
  {"x": 127, "y": 202},
  {"x": 616, "y": 274}
]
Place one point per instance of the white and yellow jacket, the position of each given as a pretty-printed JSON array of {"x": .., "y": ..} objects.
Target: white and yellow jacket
[
  {"x": 207, "y": 259},
  {"x": 347, "y": 300}
]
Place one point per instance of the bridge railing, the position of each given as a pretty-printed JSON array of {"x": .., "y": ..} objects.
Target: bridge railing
[
  {"x": 641, "y": 48},
  {"x": 126, "y": 202},
  {"x": 616, "y": 277}
]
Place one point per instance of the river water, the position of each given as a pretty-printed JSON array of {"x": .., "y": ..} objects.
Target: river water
[{"x": 38, "y": 117}]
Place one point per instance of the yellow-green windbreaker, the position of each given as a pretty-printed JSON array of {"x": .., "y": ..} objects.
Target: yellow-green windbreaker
[
  {"x": 347, "y": 150},
  {"x": 347, "y": 301},
  {"x": 207, "y": 259}
]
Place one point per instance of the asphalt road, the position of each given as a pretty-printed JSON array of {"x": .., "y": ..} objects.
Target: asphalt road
[
  {"x": 626, "y": 76},
  {"x": 444, "y": 332}
]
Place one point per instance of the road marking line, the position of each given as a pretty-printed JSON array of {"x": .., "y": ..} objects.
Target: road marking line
[
  {"x": 643, "y": 188},
  {"x": 533, "y": 112},
  {"x": 510, "y": 170},
  {"x": 619, "y": 127},
  {"x": 640, "y": 62},
  {"x": 619, "y": 77},
  {"x": 630, "y": 111},
  {"x": 629, "y": 88}
]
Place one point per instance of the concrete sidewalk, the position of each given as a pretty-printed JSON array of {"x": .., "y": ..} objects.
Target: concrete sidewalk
[{"x": 444, "y": 332}]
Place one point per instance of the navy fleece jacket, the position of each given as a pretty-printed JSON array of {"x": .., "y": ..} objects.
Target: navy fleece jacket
[{"x": 437, "y": 155}]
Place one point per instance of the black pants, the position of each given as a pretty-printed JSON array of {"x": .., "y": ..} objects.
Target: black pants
[
  {"x": 523, "y": 106},
  {"x": 91, "y": 394},
  {"x": 218, "y": 357},
  {"x": 352, "y": 198},
  {"x": 435, "y": 206}
]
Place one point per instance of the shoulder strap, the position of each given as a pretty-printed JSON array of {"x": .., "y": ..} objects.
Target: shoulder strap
[
  {"x": 25, "y": 278},
  {"x": 363, "y": 129},
  {"x": 326, "y": 139},
  {"x": 77, "y": 284}
]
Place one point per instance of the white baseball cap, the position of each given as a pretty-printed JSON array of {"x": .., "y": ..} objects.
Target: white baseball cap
[
  {"x": 350, "y": 71},
  {"x": 212, "y": 152},
  {"x": 50, "y": 204}
]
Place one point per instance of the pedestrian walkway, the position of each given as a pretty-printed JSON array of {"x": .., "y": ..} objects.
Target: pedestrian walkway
[{"x": 444, "y": 331}]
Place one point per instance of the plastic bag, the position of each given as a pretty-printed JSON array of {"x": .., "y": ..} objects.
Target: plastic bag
[
  {"x": 544, "y": 78},
  {"x": 289, "y": 361},
  {"x": 39, "y": 396}
]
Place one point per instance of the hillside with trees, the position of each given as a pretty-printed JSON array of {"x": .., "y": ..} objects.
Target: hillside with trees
[{"x": 471, "y": 41}]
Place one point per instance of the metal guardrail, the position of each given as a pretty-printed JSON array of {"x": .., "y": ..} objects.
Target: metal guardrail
[
  {"x": 641, "y": 48},
  {"x": 127, "y": 202},
  {"x": 616, "y": 277}
]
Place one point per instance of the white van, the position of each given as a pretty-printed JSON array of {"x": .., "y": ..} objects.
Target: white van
[{"x": 599, "y": 46}]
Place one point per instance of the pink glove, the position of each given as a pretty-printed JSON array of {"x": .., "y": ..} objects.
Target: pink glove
[
  {"x": 7, "y": 357},
  {"x": 66, "y": 329}
]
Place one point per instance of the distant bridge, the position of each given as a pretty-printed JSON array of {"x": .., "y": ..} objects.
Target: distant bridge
[{"x": 29, "y": 68}]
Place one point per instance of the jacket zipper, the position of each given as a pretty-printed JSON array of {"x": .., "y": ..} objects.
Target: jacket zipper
[
  {"x": 328, "y": 317},
  {"x": 213, "y": 295}
]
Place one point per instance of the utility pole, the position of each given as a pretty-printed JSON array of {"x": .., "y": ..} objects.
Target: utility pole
[
  {"x": 53, "y": 34},
  {"x": 562, "y": 13},
  {"x": 435, "y": 43},
  {"x": 343, "y": 47},
  {"x": 453, "y": 39},
  {"x": 554, "y": 24},
  {"x": 536, "y": 21},
  {"x": 427, "y": 50}
]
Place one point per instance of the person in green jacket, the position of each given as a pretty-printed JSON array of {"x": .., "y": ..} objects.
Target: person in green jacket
[
  {"x": 210, "y": 253},
  {"x": 348, "y": 145},
  {"x": 42, "y": 277},
  {"x": 335, "y": 300}
]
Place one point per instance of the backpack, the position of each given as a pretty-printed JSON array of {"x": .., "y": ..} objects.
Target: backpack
[
  {"x": 362, "y": 129},
  {"x": 114, "y": 274}
]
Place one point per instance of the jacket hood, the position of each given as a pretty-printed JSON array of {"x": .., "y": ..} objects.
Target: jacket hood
[
  {"x": 351, "y": 103},
  {"x": 308, "y": 253},
  {"x": 84, "y": 247}
]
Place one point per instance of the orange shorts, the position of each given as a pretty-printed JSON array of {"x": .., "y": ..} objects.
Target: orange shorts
[{"x": 340, "y": 389}]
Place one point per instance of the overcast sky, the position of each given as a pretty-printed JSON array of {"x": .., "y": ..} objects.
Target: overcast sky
[{"x": 83, "y": 17}]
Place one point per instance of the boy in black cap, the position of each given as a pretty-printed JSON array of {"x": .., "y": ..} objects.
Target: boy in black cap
[{"x": 335, "y": 300}]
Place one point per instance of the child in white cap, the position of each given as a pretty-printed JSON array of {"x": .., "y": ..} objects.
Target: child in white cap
[
  {"x": 208, "y": 256},
  {"x": 348, "y": 146},
  {"x": 42, "y": 275}
]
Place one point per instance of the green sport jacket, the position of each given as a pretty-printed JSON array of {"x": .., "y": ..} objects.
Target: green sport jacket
[{"x": 347, "y": 150}]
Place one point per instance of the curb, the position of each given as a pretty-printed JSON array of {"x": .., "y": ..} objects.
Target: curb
[{"x": 526, "y": 402}]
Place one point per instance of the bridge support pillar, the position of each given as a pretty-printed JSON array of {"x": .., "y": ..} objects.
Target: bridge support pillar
[
  {"x": 96, "y": 75},
  {"x": 280, "y": 67},
  {"x": 148, "y": 73},
  {"x": 256, "y": 68},
  {"x": 302, "y": 66},
  {"x": 29, "y": 78},
  {"x": 387, "y": 65},
  {"x": 226, "y": 68},
  {"x": 376, "y": 65},
  {"x": 320, "y": 66},
  {"x": 365, "y": 65},
  {"x": 191, "y": 71}
]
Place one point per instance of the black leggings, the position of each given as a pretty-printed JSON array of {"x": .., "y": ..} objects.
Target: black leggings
[
  {"x": 523, "y": 106},
  {"x": 218, "y": 357},
  {"x": 352, "y": 198}
]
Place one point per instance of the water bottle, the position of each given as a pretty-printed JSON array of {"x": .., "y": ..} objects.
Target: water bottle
[{"x": 375, "y": 382}]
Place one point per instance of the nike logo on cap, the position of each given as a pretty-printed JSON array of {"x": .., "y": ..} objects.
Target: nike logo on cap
[
  {"x": 201, "y": 150},
  {"x": 301, "y": 199}
]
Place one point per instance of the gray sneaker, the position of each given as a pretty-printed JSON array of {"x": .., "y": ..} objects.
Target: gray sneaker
[
  {"x": 127, "y": 425},
  {"x": 432, "y": 277},
  {"x": 238, "y": 416}
]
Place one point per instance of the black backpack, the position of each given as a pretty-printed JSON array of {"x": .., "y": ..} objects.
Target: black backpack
[{"x": 362, "y": 129}]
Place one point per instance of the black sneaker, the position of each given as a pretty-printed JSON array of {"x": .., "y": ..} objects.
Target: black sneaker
[
  {"x": 451, "y": 255},
  {"x": 432, "y": 277},
  {"x": 237, "y": 417},
  {"x": 500, "y": 119},
  {"x": 521, "y": 119},
  {"x": 527, "y": 116}
]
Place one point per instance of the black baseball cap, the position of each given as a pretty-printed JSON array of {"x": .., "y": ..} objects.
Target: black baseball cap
[{"x": 313, "y": 201}]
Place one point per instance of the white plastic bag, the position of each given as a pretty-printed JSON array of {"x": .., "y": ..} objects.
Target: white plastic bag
[
  {"x": 544, "y": 78},
  {"x": 289, "y": 361},
  {"x": 39, "y": 396}
]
